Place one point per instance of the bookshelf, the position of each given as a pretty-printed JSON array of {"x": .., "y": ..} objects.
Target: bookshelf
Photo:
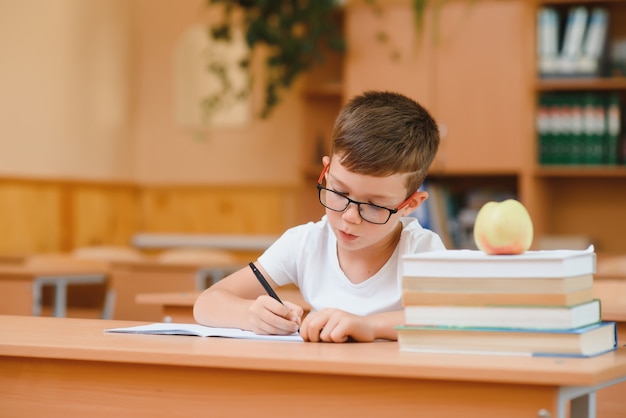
[{"x": 582, "y": 199}]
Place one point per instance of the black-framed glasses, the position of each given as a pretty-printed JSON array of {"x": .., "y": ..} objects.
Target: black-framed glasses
[{"x": 369, "y": 212}]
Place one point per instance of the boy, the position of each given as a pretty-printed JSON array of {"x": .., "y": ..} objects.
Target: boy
[{"x": 347, "y": 264}]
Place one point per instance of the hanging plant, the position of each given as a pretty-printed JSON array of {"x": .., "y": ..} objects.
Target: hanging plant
[{"x": 294, "y": 32}]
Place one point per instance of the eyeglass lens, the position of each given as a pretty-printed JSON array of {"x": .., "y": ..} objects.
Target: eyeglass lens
[{"x": 338, "y": 203}]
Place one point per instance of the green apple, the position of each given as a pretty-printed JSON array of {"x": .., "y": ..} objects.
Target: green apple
[{"x": 503, "y": 228}]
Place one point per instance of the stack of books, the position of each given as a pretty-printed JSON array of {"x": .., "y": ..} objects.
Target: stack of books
[{"x": 540, "y": 303}]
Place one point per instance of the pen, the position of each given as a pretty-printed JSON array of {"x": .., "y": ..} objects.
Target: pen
[{"x": 264, "y": 282}]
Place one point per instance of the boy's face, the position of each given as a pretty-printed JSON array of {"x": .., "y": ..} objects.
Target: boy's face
[{"x": 352, "y": 232}]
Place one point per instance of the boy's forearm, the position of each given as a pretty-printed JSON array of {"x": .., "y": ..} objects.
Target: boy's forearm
[
  {"x": 385, "y": 324},
  {"x": 220, "y": 308}
]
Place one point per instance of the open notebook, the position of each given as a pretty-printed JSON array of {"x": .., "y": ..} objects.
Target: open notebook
[{"x": 163, "y": 328}]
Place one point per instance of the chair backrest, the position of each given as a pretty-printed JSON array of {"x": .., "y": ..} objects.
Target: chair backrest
[
  {"x": 196, "y": 256},
  {"x": 109, "y": 253}
]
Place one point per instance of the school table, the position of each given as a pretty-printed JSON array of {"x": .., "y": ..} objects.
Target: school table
[
  {"x": 66, "y": 367},
  {"x": 21, "y": 287}
]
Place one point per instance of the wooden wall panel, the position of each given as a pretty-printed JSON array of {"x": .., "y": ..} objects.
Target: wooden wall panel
[
  {"x": 103, "y": 215},
  {"x": 220, "y": 210},
  {"x": 30, "y": 216},
  {"x": 39, "y": 215}
]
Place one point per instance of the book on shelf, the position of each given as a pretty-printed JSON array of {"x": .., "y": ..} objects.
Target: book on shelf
[
  {"x": 530, "y": 297},
  {"x": 547, "y": 40},
  {"x": 588, "y": 341},
  {"x": 475, "y": 263},
  {"x": 438, "y": 207},
  {"x": 613, "y": 128},
  {"x": 594, "y": 51},
  {"x": 573, "y": 36},
  {"x": 505, "y": 316}
]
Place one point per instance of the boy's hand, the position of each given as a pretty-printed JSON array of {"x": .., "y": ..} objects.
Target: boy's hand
[
  {"x": 334, "y": 325},
  {"x": 270, "y": 317}
]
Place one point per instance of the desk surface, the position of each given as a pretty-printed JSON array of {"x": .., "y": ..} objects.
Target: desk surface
[
  {"x": 85, "y": 339},
  {"x": 28, "y": 272}
]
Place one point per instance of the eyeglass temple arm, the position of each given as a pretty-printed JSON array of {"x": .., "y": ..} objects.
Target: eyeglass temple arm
[{"x": 324, "y": 171}]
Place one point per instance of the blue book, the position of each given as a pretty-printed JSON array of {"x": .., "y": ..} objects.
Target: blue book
[{"x": 587, "y": 341}]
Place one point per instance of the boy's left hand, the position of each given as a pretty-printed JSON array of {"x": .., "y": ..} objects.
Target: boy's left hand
[{"x": 334, "y": 325}]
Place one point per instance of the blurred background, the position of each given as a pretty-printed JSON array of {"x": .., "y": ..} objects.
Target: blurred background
[{"x": 102, "y": 135}]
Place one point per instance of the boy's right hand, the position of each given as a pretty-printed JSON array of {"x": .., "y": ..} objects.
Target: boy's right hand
[{"x": 270, "y": 317}]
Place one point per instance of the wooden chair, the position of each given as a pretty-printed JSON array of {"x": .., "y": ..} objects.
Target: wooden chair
[
  {"x": 176, "y": 270},
  {"x": 213, "y": 264},
  {"x": 110, "y": 255}
]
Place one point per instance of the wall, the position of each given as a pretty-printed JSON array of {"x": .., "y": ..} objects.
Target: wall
[
  {"x": 64, "y": 78},
  {"x": 261, "y": 152},
  {"x": 88, "y": 90}
]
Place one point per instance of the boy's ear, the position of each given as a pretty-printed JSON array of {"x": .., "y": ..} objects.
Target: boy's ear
[{"x": 417, "y": 199}]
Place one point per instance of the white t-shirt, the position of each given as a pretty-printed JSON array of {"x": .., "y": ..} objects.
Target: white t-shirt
[{"x": 306, "y": 255}]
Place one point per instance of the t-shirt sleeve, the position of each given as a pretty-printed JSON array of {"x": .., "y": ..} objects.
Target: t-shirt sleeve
[{"x": 281, "y": 258}]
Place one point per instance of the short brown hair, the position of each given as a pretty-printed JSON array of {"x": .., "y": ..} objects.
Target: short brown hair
[{"x": 383, "y": 133}]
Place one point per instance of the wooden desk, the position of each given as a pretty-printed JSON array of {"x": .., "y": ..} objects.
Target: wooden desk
[
  {"x": 21, "y": 287},
  {"x": 609, "y": 285},
  {"x": 70, "y": 367},
  {"x": 178, "y": 306},
  {"x": 610, "y": 288}
]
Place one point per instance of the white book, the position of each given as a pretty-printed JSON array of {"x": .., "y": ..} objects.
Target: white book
[
  {"x": 474, "y": 263},
  {"x": 571, "y": 51},
  {"x": 521, "y": 317},
  {"x": 547, "y": 40},
  {"x": 165, "y": 328},
  {"x": 595, "y": 40}
]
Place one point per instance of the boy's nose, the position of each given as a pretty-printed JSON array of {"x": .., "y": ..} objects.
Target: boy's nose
[{"x": 351, "y": 214}]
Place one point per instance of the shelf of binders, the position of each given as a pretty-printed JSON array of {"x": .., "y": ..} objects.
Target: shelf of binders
[
  {"x": 580, "y": 128},
  {"x": 581, "y": 83}
]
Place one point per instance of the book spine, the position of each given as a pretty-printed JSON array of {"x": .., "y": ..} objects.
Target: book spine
[
  {"x": 543, "y": 127},
  {"x": 576, "y": 130},
  {"x": 547, "y": 41},
  {"x": 613, "y": 129},
  {"x": 573, "y": 39},
  {"x": 594, "y": 48}
]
